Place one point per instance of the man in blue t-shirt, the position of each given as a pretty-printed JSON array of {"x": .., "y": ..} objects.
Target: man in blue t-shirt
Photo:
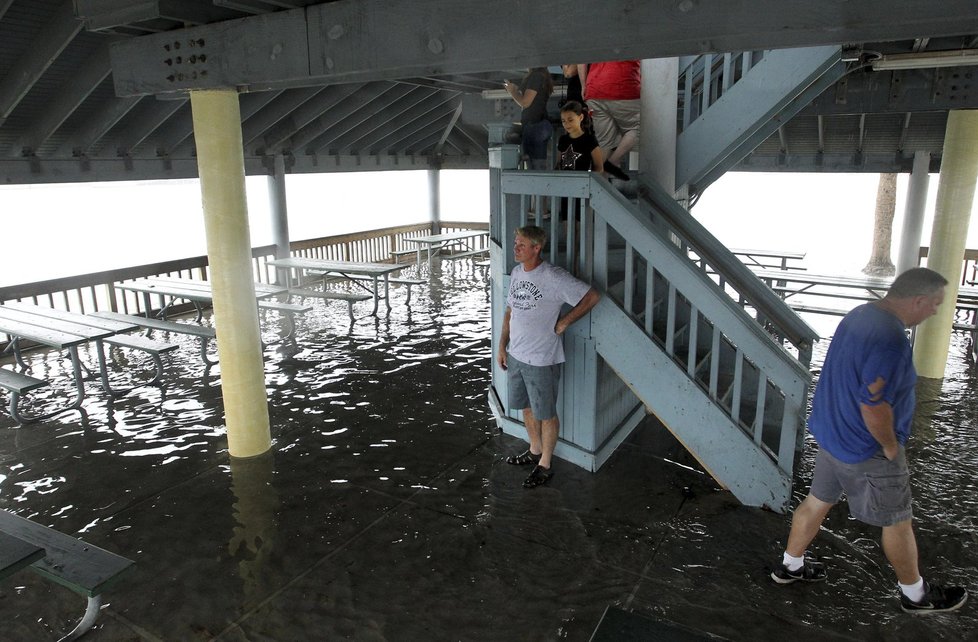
[
  {"x": 861, "y": 415},
  {"x": 531, "y": 347}
]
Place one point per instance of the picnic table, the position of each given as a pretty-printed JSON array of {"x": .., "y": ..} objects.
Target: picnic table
[
  {"x": 788, "y": 283},
  {"x": 64, "y": 330},
  {"x": 197, "y": 292},
  {"x": 756, "y": 259},
  {"x": 348, "y": 269},
  {"x": 436, "y": 242}
]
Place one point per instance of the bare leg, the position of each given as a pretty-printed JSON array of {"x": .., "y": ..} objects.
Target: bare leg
[
  {"x": 533, "y": 431},
  {"x": 900, "y": 547},
  {"x": 626, "y": 144},
  {"x": 550, "y": 428},
  {"x": 805, "y": 523}
]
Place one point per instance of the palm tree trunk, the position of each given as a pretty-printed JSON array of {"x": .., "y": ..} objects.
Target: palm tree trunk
[{"x": 880, "y": 263}]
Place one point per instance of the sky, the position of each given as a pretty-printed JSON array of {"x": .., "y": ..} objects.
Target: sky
[{"x": 101, "y": 226}]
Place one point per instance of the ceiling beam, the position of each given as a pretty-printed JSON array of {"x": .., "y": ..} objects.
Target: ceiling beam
[
  {"x": 382, "y": 39},
  {"x": 91, "y": 74},
  {"x": 48, "y": 45}
]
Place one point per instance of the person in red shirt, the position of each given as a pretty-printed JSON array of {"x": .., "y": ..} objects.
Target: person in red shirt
[{"x": 612, "y": 91}]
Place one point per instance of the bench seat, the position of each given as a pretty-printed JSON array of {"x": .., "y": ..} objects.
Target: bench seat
[
  {"x": 71, "y": 562},
  {"x": 394, "y": 280},
  {"x": 349, "y": 297},
  {"x": 204, "y": 333},
  {"x": 17, "y": 384}
]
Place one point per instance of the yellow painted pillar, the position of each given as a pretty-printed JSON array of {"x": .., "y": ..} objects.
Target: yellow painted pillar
[
  {"x": 220, "y": 162},
  {"x": 952, "y": 213}
]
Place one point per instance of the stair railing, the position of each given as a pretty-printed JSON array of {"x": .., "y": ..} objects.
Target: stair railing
[{"x": 637, "y": 261}]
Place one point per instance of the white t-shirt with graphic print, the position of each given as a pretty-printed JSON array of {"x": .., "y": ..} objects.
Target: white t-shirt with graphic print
[{"x": 535, "y": 299}]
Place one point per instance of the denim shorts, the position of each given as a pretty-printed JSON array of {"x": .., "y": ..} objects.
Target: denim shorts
[
  {"x": 533, "y": 387},
  {"x": 878, "y": 490},
  {"x": 535, "y": 139}
]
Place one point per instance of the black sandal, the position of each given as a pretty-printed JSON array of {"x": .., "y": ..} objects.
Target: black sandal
[
  {"x": 538, "y": 476},
  {"x": 522, "y": 459}
]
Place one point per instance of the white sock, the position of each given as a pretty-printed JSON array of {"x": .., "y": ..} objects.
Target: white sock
[
  {"x": 793, "y": 563},
  {"x": 915, "y": 591}
]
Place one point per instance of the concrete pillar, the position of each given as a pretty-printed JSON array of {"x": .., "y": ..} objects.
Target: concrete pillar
[
  {"x": 657, "y": 135},
  {"x": 952, "y": 213},
  {"x": 220, "y": 161},
  {"x": 279, "y": 208},
  {"x": 913, "y": 214},
  {"x": 434, "y": 199}
]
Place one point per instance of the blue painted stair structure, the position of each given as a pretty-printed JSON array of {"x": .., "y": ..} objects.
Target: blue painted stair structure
[
  {"x": 684, "y": 331},
  {"x": 731, "y": 103}
]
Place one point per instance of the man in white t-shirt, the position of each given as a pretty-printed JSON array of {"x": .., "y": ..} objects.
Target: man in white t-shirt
[{"x": 530, "y": 347}]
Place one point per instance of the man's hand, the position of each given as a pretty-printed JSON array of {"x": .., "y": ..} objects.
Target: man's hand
[
  {"x": 501, "y": 358},
  {"x": 891, "y": 451}
]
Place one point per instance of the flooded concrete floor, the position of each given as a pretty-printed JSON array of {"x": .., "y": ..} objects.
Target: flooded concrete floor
[{"x": 386, "y": 510}]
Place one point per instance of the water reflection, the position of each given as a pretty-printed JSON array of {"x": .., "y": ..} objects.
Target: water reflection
[{"x": 255, "y": 505}]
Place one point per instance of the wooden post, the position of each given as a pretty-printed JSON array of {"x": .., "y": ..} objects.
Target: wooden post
[
  {"x": 952, "y": 213},
  {"x": 220, "y": 160}
]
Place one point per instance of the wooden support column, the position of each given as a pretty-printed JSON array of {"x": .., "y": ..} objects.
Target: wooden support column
[
  {"x": 279, "y": 212},
  {"x": 220, "y": 161},
  {"x": 434, "y": 198},
  {"x": 908, "y": 255},
  {"x": 657, "y": 136},
  {"x": 952, "y": 213}
]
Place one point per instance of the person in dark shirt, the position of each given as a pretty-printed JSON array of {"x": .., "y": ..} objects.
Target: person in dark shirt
[
  {"x": 578, "y": 149},
  {"x": 861, "y": 416},
  {"x": 532, "y": 95}
]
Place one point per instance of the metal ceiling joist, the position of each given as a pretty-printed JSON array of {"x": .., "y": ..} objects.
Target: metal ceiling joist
[
  {"x": 92, "y": 72},
  {"x": 347, "y": 128},
  {"x": 315, "y": 128},
  {"x": 54, "y": 37},
  {"x": 448, "y": 129},
  {"x": 104, "y": 15},
  {"x": 89, "y": 134},
  {"x": 407, "y": 120},
  {"x": 381, "y": 124},
  {"x": 276, "y": 111},
  {"x": 343, "y": 116},
  {"x": 147, "y": 119},
  {"x": 434, "y": 108},
  {"x": 381, "y": 40}
]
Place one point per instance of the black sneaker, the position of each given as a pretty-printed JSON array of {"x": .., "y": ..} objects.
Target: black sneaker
[
  {"x": 810, "y": 571},
  {"x": 615, "y": 171},
  {"x": 937, "y": 599},
  {"x": 522, "y": 459},
  {"x": 538, "y": 476}
]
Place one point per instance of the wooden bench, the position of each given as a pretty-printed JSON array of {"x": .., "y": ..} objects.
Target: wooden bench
[
  {"x": 349, "y": 297},
  {"x": 466, "y": 253},
  {"x": 397, "y": 254},
  {"x": 77, "y": 565},
  {"x": 16, "y": 384},
  {"x": 289, "y": 310},
  {"x": 203, "y": 333},
  {"x": 394, "y": 280}
]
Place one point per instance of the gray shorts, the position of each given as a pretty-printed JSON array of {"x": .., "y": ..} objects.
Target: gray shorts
[
  {"x": 612, "y": 118},
  {"x": 878, "y": 490},
  {"x": 533, "y": 387}
]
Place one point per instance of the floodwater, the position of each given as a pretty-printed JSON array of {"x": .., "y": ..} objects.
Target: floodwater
[{"x": 386, "y": 511}]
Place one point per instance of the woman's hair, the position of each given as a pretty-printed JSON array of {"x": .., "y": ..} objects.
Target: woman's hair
[
  {"x": 580, "y": 110},
  {"x": 548, "y": 86}
]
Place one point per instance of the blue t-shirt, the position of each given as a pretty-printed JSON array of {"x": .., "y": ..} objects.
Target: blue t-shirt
[{"x": 869, "y": 344}]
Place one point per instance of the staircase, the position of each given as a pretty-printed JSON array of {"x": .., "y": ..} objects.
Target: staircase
[
  {"x": 683, "y": 327},
  {"x": 684, "y": 330},
  {"x": 731, "y": 103}
]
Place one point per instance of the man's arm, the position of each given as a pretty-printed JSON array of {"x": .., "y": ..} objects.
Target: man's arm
[
  {"x": 879, "y": 421},
  {"x": 504, "y": 339},
  {"x": 588, "y": 301}
]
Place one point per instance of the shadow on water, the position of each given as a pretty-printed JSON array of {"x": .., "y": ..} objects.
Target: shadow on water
[{"x": 386, "y": 511}]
